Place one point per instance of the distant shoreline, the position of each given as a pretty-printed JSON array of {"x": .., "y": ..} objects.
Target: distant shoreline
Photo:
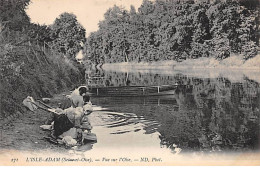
[
  {"x": 233, "y": 68},
  {"x": 233, "y": 62}
]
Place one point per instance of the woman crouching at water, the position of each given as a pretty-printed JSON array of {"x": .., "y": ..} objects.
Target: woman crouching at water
[
  {"x": 72, "y": 117},
  {"x": 75, "y": 99}
]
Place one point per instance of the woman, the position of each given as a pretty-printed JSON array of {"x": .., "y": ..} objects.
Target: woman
[{"x": 76, "y": 97}]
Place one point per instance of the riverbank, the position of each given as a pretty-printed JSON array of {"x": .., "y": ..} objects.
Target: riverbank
[
  {"x": 233, "y": 68},
  {"x": 24, "y": 133},
  {"x": 233, "y": 62}
]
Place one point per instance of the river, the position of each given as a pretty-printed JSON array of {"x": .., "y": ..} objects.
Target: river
[{"x": 204, "y": 116}]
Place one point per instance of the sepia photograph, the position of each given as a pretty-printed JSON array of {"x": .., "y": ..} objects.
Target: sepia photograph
[{"x": 129, "y": 83}]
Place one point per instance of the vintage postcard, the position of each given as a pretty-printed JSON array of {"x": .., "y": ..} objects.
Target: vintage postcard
[{"x": 129, "y": 83}]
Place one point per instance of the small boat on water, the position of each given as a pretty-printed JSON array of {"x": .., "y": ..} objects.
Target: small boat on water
[{"x": 133, "y": 91}]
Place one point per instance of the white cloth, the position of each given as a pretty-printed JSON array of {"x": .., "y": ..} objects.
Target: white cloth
[
  {"x": 69, "y": 141},
  {"x": 87, "y": 107},
  {"x": 46, "y": 127},
  {"x": 28, "y": 103},
  {"x": 71, "y": 132}
]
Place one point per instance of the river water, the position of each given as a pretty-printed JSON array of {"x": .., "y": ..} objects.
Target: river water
[{"x": 204, "y": 116}]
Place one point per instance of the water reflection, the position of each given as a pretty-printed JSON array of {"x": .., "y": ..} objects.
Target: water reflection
[{"x": 205, "y": 115}]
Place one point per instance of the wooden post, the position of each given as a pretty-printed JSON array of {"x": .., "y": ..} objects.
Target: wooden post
[
  {"x": 97, "y": 91},
  {"x": 1, "y": 133}
]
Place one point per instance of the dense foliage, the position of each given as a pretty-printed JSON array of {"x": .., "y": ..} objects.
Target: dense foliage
[
  {"x": 28, "y": 64},
  {"x": 68, "y": 35},
  {"x": 176, "y": 30}
]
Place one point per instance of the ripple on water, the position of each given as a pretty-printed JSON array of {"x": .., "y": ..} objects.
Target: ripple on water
[{"x": 120, "y": 123}]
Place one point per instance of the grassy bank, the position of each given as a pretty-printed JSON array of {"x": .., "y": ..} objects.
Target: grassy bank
[
  {"x": 31, "y": 71},
  {"x": 233, "y": 62}
]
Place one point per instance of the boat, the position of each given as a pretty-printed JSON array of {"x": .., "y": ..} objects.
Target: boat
[{"x": 133, "y": 91}]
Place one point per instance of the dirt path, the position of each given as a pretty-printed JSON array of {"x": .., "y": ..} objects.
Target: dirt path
[{"x": 24, "y": 132}]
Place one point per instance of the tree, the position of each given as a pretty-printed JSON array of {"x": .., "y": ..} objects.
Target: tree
[
  {"x": 13, "y": 14},
  {"x": 176, "y": 30},
  {"x": 68, "y": 35},
  {"x": 94, "y": 49},
  {"x": 201, "y": 33},
  {"x": 13, "y": 19},
  {"x": 248, "y": 32},
  {"x": 39, "y": 34}
]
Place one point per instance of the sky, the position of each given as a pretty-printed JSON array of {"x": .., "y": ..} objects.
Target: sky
[{"x": 88, "y": 12}]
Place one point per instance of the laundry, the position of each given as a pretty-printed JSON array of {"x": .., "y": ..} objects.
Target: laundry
[
  {"x": 46, "y": 127},
  {"x": 28, "y": 102},
  {"x": 69, "y": 141},
  {"x": 71, "y": 132}
]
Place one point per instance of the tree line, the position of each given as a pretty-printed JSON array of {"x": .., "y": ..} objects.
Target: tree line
[
  {"x": 176, "y": 30},
  {"x": 36, "y": 60}
]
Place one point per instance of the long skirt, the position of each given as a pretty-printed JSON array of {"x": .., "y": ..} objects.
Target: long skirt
[{"x": 61, "y": 124}]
